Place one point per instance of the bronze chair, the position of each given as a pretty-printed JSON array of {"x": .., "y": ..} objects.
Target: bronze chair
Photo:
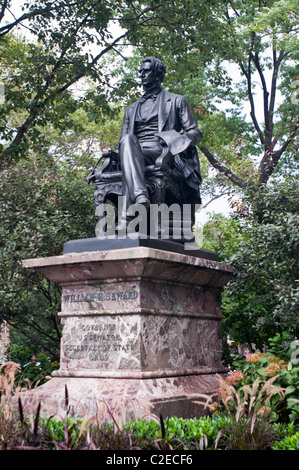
[{"x": 165, "y": 183}]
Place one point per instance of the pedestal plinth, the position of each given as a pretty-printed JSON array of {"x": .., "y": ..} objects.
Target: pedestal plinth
[{"x": 139, "y": 325}]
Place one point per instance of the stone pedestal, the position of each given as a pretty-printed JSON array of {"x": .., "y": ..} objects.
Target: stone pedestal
[{"x": 141, "y": 331}]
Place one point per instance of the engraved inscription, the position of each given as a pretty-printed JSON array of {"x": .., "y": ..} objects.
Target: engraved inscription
[
  {"x": 101, "y": 296},
  {"x": 95, "y": 342}
]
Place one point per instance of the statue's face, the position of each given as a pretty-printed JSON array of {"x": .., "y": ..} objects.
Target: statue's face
[{"x": 148, "y": 76}]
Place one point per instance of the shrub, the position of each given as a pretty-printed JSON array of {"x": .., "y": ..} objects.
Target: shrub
[
  {"x": 243, "y": 422},
  {"x": 83, "y": 434},
  {"x": 177, "y": 433},
  {"x": 289, "y": 442},
  {"x": 249, "y": 409},
  {"x": 36, "y": 372},
  {"x": 278, "y": 363},
  {"x": 15, "y": 430},
  {"x": 249, "y": 433},
  {"x": 248, "y": 399}
]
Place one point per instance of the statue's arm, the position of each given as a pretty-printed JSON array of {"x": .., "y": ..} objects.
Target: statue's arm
[
  {"x": 188, "y": 122},
  {"x": 125, "y": 128}
]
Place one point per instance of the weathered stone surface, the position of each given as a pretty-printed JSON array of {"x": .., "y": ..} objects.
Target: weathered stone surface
[
  {"x": 139, "y": 342},
  {"x": 145, "y": 262},
  {"x": 137, "y": 323},
  {"x": 131, "y": 398}
]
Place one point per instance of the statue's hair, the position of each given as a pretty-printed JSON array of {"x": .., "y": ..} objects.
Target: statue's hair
[{"x": 157, "y": 66}]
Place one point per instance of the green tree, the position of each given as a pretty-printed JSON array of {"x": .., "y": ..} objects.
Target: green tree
[
  {"x": 45, "y": 200},
  {"x": 40, "y": 210},
  {"x": 260, "y": 39},
  {"x": 261, "y": 241},
  {"x": 223, "y": 235},
  {"x": 68, "y": 40},
  {"x": 231, "y": 64}
]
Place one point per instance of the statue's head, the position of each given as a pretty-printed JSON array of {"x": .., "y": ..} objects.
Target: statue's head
[{"x": 155, "y": 69}]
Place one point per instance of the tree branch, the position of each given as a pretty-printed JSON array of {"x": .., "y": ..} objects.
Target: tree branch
[
  {"x": 267, "y": 118},
  {"x": 214, "y": 198},
  {"x": 247, "y": 74},
  {"x": 64, "y": 51},
  {"x": 277, "y": 154},
  {"x": 276, "y": 65},
  {"x": 32, "y": 338},
  {"x": 26, "y": 16},
  {"x": 40, "y": 105},
  {"x": 270, "y": 158},
  {"x": 250, "y": 95},
  {"x": 94, "y": 61},
  {"x": 234, "y": 8},
  {"x": 4, "y": 6},
  {"x": 222, "y": 168}
]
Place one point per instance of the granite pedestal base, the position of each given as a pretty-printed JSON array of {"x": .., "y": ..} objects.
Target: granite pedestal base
[{"x": 141, "y": 332}]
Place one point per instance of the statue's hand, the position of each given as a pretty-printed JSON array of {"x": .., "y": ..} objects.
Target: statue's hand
[
  {"x": 110, "y": 154},
  {"x": 162, "y": 142}
]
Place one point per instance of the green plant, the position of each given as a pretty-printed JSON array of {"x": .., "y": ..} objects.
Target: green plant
[
  {"x": 35, "y": 371},
  {"x": 154, "y": 434},
  {"x": 249, "y": 433},
  {"x": 279, "y": 361},
  {"x": 239, "y": 425},
  {"x": 244, "y": 399},
  {"x": 39, "y": 371},
  {"x": 84, "y": 434},
  {"x": 263, "y": 297},
  {"x": 16, "y": 430},
  {"x": 249, "y": 411},
  {"x": 290, "y": 442},
  {"x": 177, "y": 433}
]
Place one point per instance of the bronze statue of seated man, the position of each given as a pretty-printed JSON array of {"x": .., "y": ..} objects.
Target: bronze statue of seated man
[{"x": 157, "y": 119}]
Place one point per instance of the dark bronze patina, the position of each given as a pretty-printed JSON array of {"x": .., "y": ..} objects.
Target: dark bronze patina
[{"x": 156, "y": 159}]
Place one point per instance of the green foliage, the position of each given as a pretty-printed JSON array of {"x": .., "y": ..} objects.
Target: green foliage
[
  {"x": 205, "y": 433},
  {"x": 260, "y": 239},
  {"x": 73, "y": 121},
  {"x": 223, "y": 235},
  {"x": 54, "y": 430},
  {"x": 269, "y": 258},
  {"x": 179, "y": 433},
  {"x": 288, "y": 443},
  {"x": 37, "y": 371},
  {"x": 19, "y": 431},
  {"x": 67, "y": 45},
  {"x": 230, "y": 59},
  {"x": 242, "y": 435},
  {"x": 41, "y": 208},
  {"x": 220, "y": 50},
  {"x": 44, "y": 200},
  {"x": 262, "y": 366}
]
